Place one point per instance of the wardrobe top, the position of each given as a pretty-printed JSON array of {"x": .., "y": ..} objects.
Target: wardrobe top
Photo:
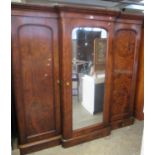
[{"x": 90, "y": 6}]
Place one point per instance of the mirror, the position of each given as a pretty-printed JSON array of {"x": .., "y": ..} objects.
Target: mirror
[{"x": 89, "y": 47}]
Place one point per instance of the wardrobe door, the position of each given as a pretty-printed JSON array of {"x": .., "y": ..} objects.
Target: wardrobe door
[
  {"x": 86, "y": 69},
  {"x": 124, "y": 69},
  {"x": 36, "y": 78}
]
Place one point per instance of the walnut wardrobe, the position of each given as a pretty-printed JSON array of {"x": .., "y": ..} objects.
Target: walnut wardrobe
[{"x": 74, "y": 72}]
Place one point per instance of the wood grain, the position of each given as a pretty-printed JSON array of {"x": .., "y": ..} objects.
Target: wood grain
[
  {"x": 125, "y": 58},
  {"x": 139, "y": 100},
  {"x": 41, "y": 67},
  {"x": 35, "y": 72}
]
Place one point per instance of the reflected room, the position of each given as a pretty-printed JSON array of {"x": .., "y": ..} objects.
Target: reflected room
[{"x": 89, "y": 46}]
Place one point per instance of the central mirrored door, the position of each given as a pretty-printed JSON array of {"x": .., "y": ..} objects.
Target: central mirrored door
[{"x": 89, "y": 46}]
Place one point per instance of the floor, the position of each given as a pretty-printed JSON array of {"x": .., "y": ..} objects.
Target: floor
[
  {"x": 124, "y": 141},
  {"x": 82, "y": 118}
]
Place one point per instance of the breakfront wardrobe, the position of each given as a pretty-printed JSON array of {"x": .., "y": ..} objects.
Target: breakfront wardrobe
[{"x": 74, "y": 72}]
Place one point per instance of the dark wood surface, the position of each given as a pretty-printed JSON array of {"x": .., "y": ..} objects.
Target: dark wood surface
[
  {"x": 139, "y": 100},
  {"x": 39, "y": 145},
  {"x": 91, "y": 10},
  {"x": 41, "y": 66},
  {"x": 67, "y": 25},
  {"x": 35, "y": 75},
  {"x": 14, "y": 128},
  {"x": 124, "y": 60},
  {"x": 122, "y": 123},
  {"x": 86, "y": 137}
]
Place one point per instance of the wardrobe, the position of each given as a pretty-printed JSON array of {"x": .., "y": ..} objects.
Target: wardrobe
[{"x": 74, "y": 72}]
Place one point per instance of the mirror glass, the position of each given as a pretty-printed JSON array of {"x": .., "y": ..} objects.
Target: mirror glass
[{"x": 89, "y": 47}]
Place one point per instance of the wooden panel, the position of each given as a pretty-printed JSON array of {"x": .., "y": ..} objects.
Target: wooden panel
[
  {"x": 139, "y": 101},
  {"x": 122, "y": 123},
  {"x": 39, "y": 145},
  {"x": 123, "y": 64},
  {"x": 37, "y": 77},
  {"x": 86, "y": 137},
  {"x": 35, "y": 70},
  {"x": 67, "y": 25},
  {"x": 124, "y": 51}
]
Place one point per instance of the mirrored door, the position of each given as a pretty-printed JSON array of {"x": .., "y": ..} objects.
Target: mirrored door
[{"x": 89, "y": 46}]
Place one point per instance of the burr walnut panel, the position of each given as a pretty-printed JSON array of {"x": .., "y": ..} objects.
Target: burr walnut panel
[
  {"x": 124, "y": 47},
  {"x": 121, "y": 93},
  {"x": 123, "y": 61}
]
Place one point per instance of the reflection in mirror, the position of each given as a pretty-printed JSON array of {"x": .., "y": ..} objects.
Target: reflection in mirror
[{"x": 88, "y": 75}]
